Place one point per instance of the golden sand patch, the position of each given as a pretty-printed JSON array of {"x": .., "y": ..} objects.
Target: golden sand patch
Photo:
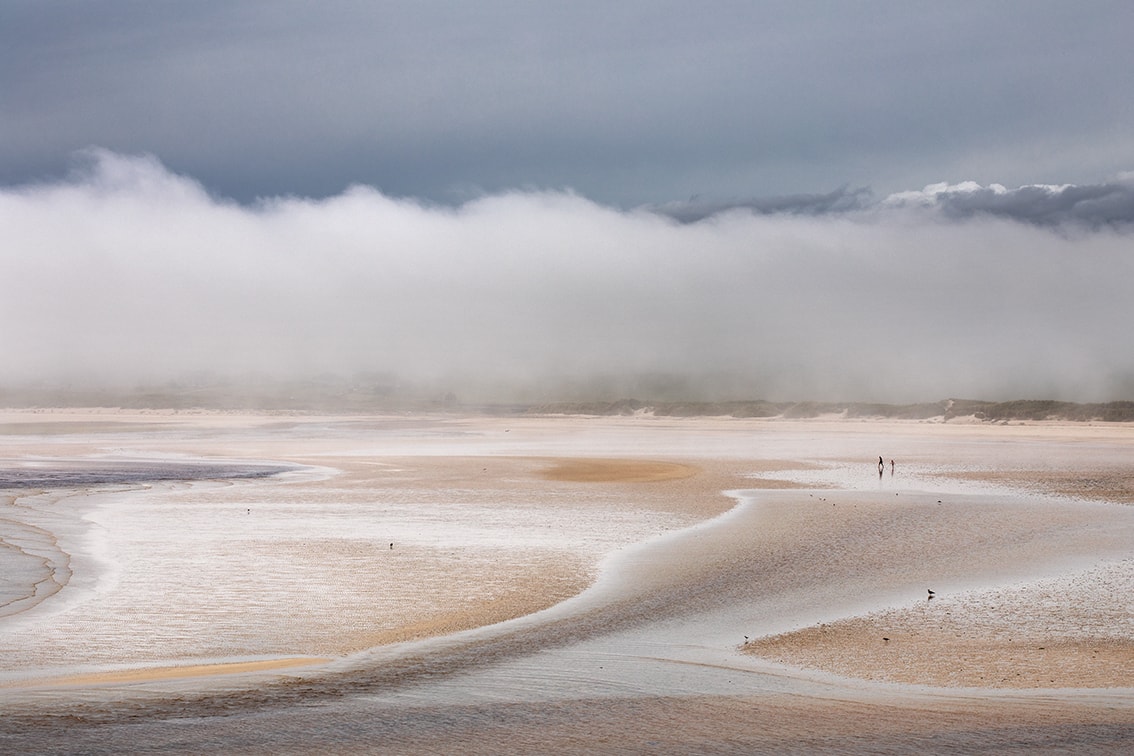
[
  {"x": 154, "y": 674},
  {"x": 877, "y": 649},
  {"x": 527, "y": 596},
  {"x": 616, "y": 471}
]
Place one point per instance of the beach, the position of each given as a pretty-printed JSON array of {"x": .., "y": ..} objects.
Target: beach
[{"x": 289, "y": 582}]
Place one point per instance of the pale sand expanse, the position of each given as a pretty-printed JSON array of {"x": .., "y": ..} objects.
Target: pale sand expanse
[{"x": 493, "y": 519}]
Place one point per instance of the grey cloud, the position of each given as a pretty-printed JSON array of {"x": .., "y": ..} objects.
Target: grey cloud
[
  {"x": 1094, "y": 206},
  {"x": 841, "y": 200}
]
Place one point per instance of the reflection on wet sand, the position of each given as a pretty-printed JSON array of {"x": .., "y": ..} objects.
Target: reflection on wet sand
[{"x": 578, "y": 585}]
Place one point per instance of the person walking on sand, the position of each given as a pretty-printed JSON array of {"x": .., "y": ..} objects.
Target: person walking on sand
[
  {"x": 881, "y": 467},
  {"x": 891, "y": 468}
]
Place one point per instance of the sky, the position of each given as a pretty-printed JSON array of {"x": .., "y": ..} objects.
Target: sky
[{"x": 883, "y": 201}]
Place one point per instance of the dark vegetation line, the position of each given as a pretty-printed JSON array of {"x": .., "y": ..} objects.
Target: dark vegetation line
[
  {"x": 345, "y": 397},
  {"x": 1022, "y": 409}
]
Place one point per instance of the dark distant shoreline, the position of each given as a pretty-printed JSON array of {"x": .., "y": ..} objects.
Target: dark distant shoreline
[
  {"x": 947, "y": 409},
  {"x": 345, "y": 399}
]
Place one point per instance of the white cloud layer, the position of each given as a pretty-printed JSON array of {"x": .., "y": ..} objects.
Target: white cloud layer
[{"x": 127, "y": 273}]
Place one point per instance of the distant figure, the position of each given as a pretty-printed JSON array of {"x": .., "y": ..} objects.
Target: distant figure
[
  {"x": 391, "y": 547},
  {"x": 881, "y": 467},
  {"x": 891, "y": 468}
]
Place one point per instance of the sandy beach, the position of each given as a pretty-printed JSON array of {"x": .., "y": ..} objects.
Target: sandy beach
[{"x": 562, "y": 583}]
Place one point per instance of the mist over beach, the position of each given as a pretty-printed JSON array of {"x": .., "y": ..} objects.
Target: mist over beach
[{"x": 127, "y": 274}]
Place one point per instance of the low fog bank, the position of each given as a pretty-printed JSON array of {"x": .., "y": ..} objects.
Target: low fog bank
[{"x": 128, "y": 281}]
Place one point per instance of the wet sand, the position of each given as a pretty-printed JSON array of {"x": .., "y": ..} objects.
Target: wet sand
[{"x": 546, "y": 571}]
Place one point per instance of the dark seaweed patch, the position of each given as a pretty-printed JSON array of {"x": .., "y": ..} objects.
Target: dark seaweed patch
[{"x": 84, "y": 474}]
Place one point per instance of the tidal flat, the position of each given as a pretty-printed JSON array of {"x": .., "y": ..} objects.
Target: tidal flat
[{"x": 285, "y": 582}]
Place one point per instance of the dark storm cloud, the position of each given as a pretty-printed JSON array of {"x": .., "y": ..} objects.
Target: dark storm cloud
[
  {"x": 1094, "y": 206},
  {"x": 841, "y": 200},
  {"x": 126, "y": 273},
  {"x": 627, "y": 103},
  {"x": 1090, "y": 206}
]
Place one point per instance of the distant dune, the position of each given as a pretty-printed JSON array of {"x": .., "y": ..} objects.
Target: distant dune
[
  {"x": 948, "y": 409},
  {"x": 346, "y": 396}
]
